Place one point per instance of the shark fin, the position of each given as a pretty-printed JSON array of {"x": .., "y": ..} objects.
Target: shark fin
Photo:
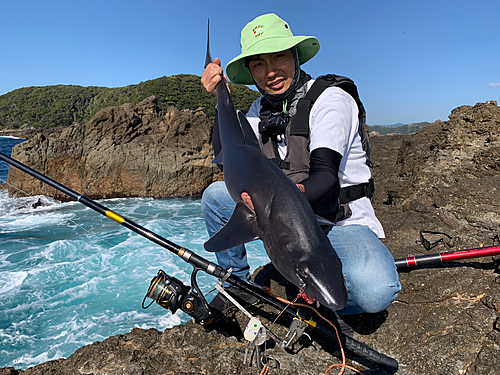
[
  {"x": 241, "y": 228},
  {"x": 218, "y": 159},
  {"x": 208, "y": 57},
  {"x": 325, "y": 224},
  {"x": 248, "y": 133}
]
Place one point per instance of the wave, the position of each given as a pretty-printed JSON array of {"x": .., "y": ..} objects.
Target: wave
[
  {"x": 10, "y": 206},
  {"x": 70, "y": 276},
  {"x": 11, "y": 280},
  {"x": 9, "y": 137}
]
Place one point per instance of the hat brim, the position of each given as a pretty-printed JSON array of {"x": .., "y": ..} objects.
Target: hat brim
[{"x": 240, "y": 74}]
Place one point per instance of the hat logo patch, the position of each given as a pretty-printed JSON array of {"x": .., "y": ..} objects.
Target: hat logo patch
[{"x": 257, "y": 30}]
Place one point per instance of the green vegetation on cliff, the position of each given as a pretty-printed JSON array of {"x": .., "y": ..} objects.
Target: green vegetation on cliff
[{"x": 63, "y": 105}]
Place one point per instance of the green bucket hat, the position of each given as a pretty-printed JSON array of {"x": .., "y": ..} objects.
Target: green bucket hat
[{"x": 268, "y": 34}]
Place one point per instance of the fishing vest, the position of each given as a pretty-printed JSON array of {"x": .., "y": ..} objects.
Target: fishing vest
[{"x": 296, "y": 162}]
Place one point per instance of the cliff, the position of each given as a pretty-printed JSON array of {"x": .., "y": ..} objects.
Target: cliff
[
  {"x": 125, "y": 151},
  {"x": 446, "y": 320}
]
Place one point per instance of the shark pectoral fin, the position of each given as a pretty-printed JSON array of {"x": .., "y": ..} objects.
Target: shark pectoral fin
[
  {"x": 219, "y": 158},
  {"x": 241, "y": 228},
  {"x": 325, "y": 224}
]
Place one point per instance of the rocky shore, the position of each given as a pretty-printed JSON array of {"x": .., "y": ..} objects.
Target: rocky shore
[{"x": 444, "y": 178}]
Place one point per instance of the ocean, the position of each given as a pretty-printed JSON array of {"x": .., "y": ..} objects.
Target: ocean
[{"x": 70, "y": 276}]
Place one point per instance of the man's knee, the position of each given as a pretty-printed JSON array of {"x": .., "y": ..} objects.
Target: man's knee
[
  {"x": 380, "y": 301},
  {"x": 210, "y": 194},
  {"x": 214, "y": 189},
  {"x": 376, "y": 293}
]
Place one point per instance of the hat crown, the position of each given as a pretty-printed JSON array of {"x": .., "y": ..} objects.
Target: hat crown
[{"x": 262, "y": 28}]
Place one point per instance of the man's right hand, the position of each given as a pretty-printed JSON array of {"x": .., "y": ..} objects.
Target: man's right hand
[
  {"x": 212, "y": 76},
  {"x": 247, "y": 200}
]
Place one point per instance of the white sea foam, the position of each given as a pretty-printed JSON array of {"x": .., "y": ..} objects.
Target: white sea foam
[
  {"x": 165, "y": 321},
  {"x": 11, "y": 280},
  {"x": 12, "y": 338},
  {"x": 28, "y": 360},
  {"x": 26, "y": 205},
  {"x": 70, "y": 276},
  {"x": 23, "y": 214}
]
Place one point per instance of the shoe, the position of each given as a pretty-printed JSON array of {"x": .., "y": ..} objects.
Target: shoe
[{"x": 221, "y": 305}]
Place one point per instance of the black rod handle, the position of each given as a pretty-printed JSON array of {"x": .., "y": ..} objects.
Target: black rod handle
[
  {"x": 387, "y": 363},
  {"x": 384, "y": 362}
]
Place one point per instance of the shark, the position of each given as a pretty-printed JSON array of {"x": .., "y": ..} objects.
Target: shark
[{"x": 281, "y": 218}]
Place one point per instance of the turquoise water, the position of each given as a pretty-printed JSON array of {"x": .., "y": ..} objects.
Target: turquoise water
[
  {"x": 6, "y": 145},
  {"x": 70, "y": 276}
]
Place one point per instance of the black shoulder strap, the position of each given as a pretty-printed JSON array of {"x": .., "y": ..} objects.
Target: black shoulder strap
[
  {"x": 265, "y": 112},
  {"x": 300, "y": 122}
]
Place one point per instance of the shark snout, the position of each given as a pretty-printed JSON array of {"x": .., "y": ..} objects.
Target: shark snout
[{"x": 327, "y": 287}]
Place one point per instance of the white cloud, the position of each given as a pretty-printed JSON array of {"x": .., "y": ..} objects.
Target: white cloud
[{"x": 494, "y": 84}]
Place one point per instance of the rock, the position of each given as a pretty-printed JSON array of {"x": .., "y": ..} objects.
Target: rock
[
  {"x": 446, "y": 320},
  {"x": 444, "y": 178},
  {"x": 126, "y": 151}
]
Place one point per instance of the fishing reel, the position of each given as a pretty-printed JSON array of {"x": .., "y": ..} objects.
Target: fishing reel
[{"x": 171, "y": 294}]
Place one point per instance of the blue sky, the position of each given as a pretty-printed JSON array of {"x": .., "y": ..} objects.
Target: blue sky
[{"x": 412, "y": 60}]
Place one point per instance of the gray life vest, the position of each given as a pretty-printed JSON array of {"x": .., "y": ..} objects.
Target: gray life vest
[{"x": 296, "y": 162}]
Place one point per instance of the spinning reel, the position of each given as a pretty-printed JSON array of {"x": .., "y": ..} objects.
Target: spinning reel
[{"x": 171, "y": 294}]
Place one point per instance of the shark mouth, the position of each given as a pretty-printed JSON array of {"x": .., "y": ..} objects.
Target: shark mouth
[{"x": 302, "y": 276}]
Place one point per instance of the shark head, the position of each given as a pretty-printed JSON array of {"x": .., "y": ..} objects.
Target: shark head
[
  {"x": 302, "y": 253},
  {"x": 317, "y": 286}
]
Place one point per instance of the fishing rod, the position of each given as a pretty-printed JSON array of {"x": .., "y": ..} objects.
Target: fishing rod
[
  {"x": 172, "y": 294},
  {"x": 438, "y": 258}
]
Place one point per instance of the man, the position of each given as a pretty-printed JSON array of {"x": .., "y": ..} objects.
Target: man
[{"x": 328, "y": 162}]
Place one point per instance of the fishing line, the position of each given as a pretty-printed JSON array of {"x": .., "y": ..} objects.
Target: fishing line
[
  {"x": 343, "y": 365},
  {"x": 266, "y": 357}
]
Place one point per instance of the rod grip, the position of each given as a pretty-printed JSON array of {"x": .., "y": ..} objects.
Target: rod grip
[{"x": 384, "y": 362}]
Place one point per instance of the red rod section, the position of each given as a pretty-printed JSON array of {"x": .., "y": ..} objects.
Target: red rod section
[{"x": 446, "y": 257}]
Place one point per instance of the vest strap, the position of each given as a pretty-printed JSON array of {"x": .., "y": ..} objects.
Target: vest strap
[
  {"x": 351, "y": 193},
  {"x": 300, "y": 122},
  {"x": 264, "y": 118},
  {"x": 281, "y": 163}
]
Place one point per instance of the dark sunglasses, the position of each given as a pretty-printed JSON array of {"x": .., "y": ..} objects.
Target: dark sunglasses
[{"x": 429, "y": 245}]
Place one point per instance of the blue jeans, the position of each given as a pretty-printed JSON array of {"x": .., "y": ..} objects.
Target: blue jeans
[{"x": 369, "y": 270}]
